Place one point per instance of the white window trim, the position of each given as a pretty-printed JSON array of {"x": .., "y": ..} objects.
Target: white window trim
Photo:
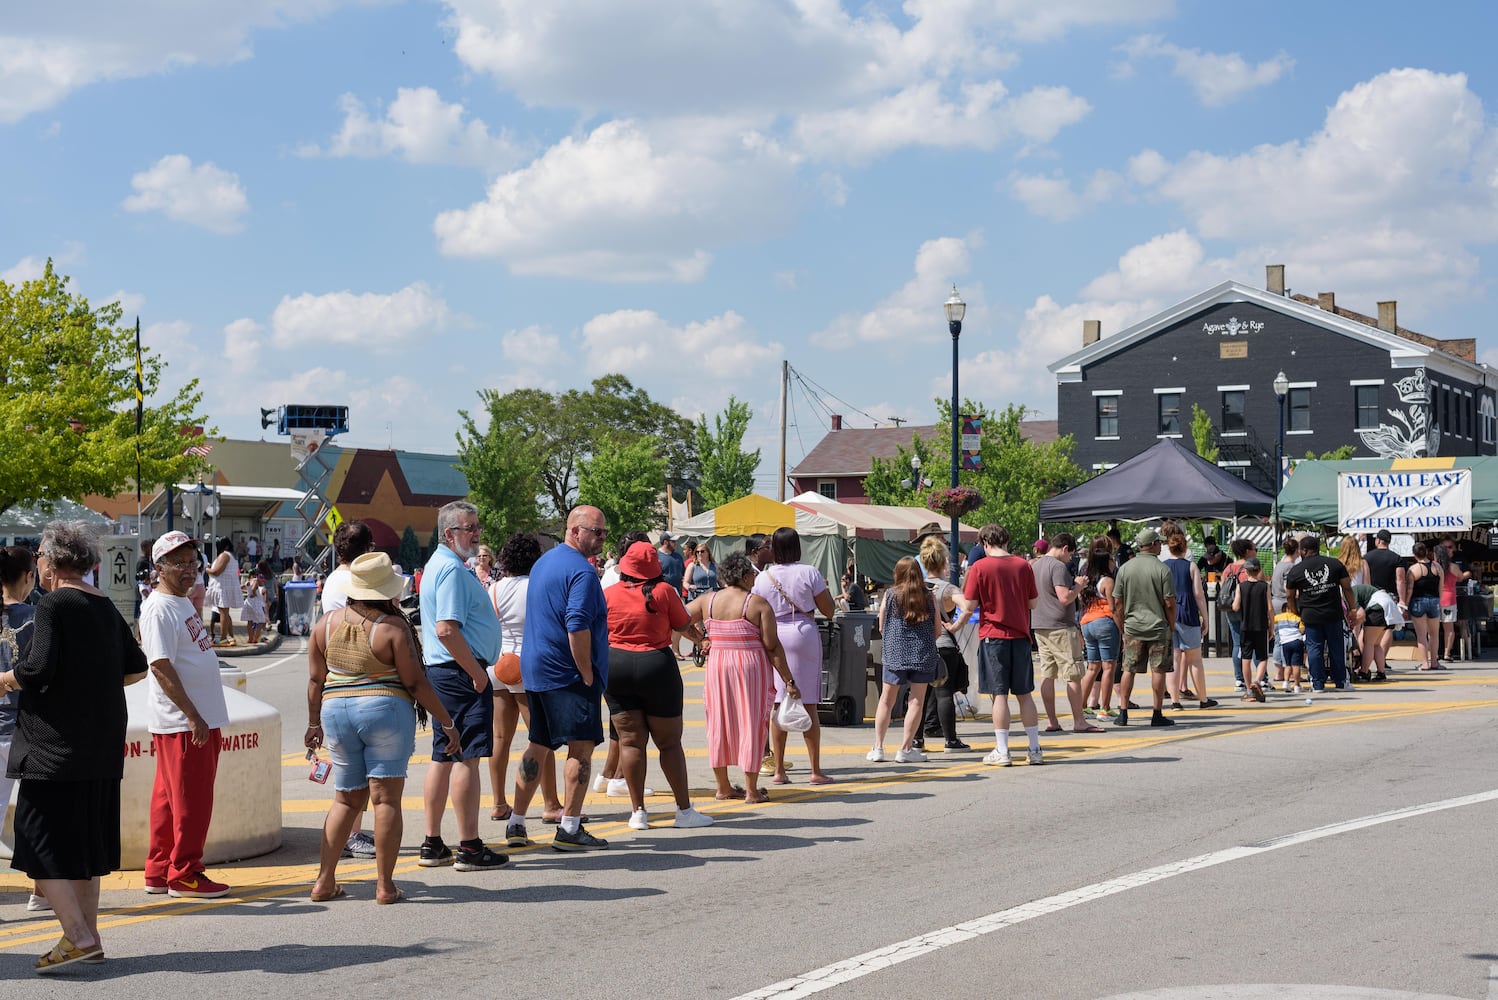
[
  {"x": 1107, "y": 392},
  {"x": 1366, "y": 381},
  {"x": 1168, "y": 435},
  {"x": 1234, "y": 464},
  {"x": 1106, "y": 437},
  {"x": 1233, "y": 388},
  {"x": 1104, "y": 466},
  {"x": 1181, "y": 389},
  {"x": 1288, "y": 433},
  {"x": 827, "y": 482},
  {"x": 1301, "y": 385},
  {"x": 1233, "y": 434}
]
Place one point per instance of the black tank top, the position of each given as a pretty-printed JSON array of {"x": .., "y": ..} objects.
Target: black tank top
[{"x": 1428, "y": 585}]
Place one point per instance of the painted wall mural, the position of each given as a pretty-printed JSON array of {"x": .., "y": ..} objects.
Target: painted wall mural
[{"x": 1415, "y": 435}]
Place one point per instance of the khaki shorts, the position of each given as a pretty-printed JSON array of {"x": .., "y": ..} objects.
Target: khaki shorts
[
  {"x": 1146, "y": 655},
  {"x": 1061, "y": 654}
]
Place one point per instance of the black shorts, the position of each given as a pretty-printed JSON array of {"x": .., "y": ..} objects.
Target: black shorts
[
  {"x": 648, "y": 682},
  {"x": 1374, "y": 616},
  {"x": 1253, "y": 642},
  {"x": 1005, "y": 667},
  {"x": 566, "y": 715},
  {"x": 472, "y": 712}
]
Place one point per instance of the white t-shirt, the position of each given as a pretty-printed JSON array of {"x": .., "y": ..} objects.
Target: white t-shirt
[
  {"x": 171, "y": 630},
  {"x": 335, "y": 589},
  {"x": 508, "y": 595}
]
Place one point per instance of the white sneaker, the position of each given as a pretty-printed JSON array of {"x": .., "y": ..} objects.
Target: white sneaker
[
  {"x": 37, "y": 904},
  {"x": 875, "y": 756},
  {"x": 691, "y": 819},
  {"x": 619, "y": 788},
  {"x": 999, "y": 757},
  {"x": 1035, "y": 756},
  {"x": 911, "y": 756},
  {"x": 1237, "y": 685},
  {"x": 600, "y": 783},
  {"x": 638, "y": 820}
]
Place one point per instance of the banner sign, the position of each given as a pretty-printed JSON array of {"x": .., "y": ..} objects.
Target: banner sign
[
  {"x": 1426, "y": 500},
  {"x": 972, "y": 442}
]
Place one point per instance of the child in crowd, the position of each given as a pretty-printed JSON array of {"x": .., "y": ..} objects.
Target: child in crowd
[
  {"x": 1252, "y": 606},
  {"x": 1289, "y": 633},
  {"x": 254, "y": 611}
]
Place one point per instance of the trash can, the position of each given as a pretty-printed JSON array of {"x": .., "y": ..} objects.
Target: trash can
[
  {"x": 845, "y": 666},
  {"x": 299, "y": 600}
]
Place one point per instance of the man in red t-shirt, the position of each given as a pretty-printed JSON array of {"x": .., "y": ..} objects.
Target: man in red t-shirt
[{"x": 1001, "y": 588}]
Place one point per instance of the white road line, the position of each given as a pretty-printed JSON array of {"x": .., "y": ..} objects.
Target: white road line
[
  {"x": 285, "y": 659},
  {"x": 858, "y": 966}
]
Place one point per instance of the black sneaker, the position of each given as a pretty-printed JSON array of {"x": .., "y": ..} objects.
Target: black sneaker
[
  {"x": 435, "y": 855},
  {"x": 1122, "y": 718},
  {"x": 957, "y": 746},
  {"x": 1161, "y": 720},
  {"x": 481, "y": 860},
  {"x": 582, "y": 840},
  {"x": 515, "y": 835},
  {"x": 919, "y": 743}
]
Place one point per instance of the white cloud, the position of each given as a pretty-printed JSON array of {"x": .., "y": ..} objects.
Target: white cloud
[
  {"x": 1217, "y": 77},
  {"x": 203, "y": 196},
  {"x": 912, "y": 314},
  {"x": 25, "y": 269},
  {"x": 531, "y": 346},
  {"x": 633, "y": 341},
  {"x": 627, "y": 203},
  {"x": 49, "y": 50},
  {"x": 420, "y": 127},
  {"x": 369, "y": 320},
  {"x": 1053, "y": 197},
  {"x": 131, "y": 303},
  {"x": 169, "y": 339},
  {"x": 1172, "y": 264},
  {"x": 243, "y": 345}
]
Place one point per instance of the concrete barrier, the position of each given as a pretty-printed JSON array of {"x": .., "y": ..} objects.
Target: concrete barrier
[{"x": 247, "y": 794}]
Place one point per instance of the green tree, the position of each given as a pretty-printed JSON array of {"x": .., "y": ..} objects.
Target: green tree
[
  {"x": 504, "y": 478},
  {"x": 432, "y": 544},
  {"x": 409, "y": 554},
  {"x": 1336, "y": 454},
  {"x": 727, "y": 470},
  {"x": 1203, "y": 434},
  {"x": 563, "y": 430},
  {"x": 884, "y": 483},
  {"x": 623, "y": 479},
  {"x": 67, "y": 411}
]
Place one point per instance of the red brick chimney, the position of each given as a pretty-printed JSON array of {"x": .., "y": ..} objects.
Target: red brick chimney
[{"x": 837, "y": 421}]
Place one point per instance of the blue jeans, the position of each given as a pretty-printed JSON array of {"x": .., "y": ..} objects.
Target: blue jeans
[
  {"x": 1235, "y": 631},
  {"x": 1323, "y": 643}
]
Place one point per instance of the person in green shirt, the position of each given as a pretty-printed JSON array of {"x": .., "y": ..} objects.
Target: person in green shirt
[{"x": 1144, "y": 606}]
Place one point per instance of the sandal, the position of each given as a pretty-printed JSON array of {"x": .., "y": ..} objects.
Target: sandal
[
  {"x": 820, "y": 779},
  {"x": 399, "y": 895},
  {"x": 760, "y": 796},
  {"x": 337, "y": 893},
  {"x": 497, "y": 815},
  {"x": 734, "y": 792},
  {"x": 65, "y": 952},
  {"x": 780, "y": 779},
  {"x": 557, "y": 819}
]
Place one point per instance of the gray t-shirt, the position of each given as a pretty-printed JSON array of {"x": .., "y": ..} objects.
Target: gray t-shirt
[
  {"x": 1277, "y": 584},
  {"x": 1049, "y": 612}
]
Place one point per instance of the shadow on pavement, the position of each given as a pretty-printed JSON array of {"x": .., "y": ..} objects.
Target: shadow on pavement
[{"x": 288, "y": 959}]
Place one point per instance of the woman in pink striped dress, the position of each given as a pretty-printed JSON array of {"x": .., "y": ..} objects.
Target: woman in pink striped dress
[{"x": 737, "y": 691}]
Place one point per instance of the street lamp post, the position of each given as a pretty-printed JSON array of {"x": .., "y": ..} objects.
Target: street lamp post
[
  {"x": 915, "y": 482},
  {"x": 1281, "y": 388},
  {"x": 955, "y": 309}
]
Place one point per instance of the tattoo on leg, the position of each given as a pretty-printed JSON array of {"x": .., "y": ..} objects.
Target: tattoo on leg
[
  {"x": 530, "y": 770},
  {"x": 584, "y": 771}
]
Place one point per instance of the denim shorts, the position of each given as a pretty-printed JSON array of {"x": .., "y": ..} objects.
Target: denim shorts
[
  {"x": 566, "y": 715},
  {"x": 1186, "y": 636},
  {"x": 1101, "y": 638},
  {"x": 1428, "y": 606},
  {"x": 369, "y": 736},
  {"x": 1005, "y": 667}
]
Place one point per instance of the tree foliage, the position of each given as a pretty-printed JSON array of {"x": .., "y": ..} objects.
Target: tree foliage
[
  {"x": 727, "y": 470},
  {"x": 560, "y": 432},
  {"x": 504, "y": 478},
  {"x": 432, "y": 543},
  {"x": 623, "y": 479},
  {"x": 1203, "y": 433},
  {"x": 67, "y": 411},
  {"x": 409, "y": 554},
  {"x": 883, "y": 484}
]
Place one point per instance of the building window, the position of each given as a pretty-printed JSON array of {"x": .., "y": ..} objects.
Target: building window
[
  {"x": 1485, "y": 411},
  {"x": 1299, "y": 402},
  {"x": 1232, "y": 411},
  {"x": 1170, "y": 412},
  {"x": 828, "y": 488},
  {"x": 1107, "y": 416},
  {"x": 1367, "y": 406}
]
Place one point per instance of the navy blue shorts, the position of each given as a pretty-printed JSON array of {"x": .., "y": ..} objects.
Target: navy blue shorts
[
  {"x": 1005, "y": 668},
  {"x": 472, "y": 712},
  {"x": 566, "y": 715}
]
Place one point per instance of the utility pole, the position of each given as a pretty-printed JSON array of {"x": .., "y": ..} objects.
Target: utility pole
[{"x": 785, "y": 378}]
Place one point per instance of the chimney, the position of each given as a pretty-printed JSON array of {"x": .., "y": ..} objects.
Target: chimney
[
  {"x": 1327, "y": 301},
  {"x": 1274, "y": 279},
  {"x": 1092, "y": 331},
  {"x": 837, "y": 421},
  {"x": 1388, "y": 316}
]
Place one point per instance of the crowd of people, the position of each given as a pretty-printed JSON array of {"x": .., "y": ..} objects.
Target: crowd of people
[{"x": 568, "y": 643}]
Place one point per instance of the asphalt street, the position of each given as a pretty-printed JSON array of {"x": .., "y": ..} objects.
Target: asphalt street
[{"x": 1139, "y": 862}]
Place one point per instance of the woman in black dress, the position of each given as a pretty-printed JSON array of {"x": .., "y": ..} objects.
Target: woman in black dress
[{"x": 69, "y": 730}]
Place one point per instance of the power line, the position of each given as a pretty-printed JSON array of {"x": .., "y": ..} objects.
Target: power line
[{"x": 836, "y": 398}]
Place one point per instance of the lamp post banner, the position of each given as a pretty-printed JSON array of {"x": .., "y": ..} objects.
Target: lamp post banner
[
  {"x": 1416, "y": 500},
  {"x": 972, "y": 442}
]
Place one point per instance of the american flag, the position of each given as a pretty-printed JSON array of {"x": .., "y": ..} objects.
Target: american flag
[{"x": 200, "y": 450}]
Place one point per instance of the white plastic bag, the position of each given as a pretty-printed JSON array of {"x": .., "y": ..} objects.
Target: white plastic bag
[{"x": 792, "y": 716}]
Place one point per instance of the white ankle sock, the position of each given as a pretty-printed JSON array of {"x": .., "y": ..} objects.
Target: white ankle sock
[
  {"x": 1033, "y": 732},
  {"x": 571, "y": 823}
]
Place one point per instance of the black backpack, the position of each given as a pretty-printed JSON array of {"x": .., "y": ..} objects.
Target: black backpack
[{"x": 1227, "y": 591}]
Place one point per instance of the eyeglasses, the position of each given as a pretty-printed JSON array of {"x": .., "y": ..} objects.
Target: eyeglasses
[
  {"x": 178, "y": 564},
  {"x": 599, "y": 532},
  {"x": 472, "y": 529}
]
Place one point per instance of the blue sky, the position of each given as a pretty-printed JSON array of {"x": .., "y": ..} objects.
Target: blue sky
[{"x": 393, "y": 205}]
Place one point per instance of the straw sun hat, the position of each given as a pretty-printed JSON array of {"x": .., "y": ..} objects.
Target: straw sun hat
[{"x": 373, "y": 578}]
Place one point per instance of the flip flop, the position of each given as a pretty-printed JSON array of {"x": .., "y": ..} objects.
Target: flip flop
[
  {"x": 760, "y": 796},
  {"x": 780, "y": 779},
  {"x": 736, "y": 793},
  {"x": 1091, "y": 729},
  {"x": 822, "y": 780},
  {"x": 495, "y": 814},
  {"x": 399, "y": 895},
  {"x": 337, "y": 893},
  {"x": 1051, "y": 729},
  {"x": 65, "y": 952}
]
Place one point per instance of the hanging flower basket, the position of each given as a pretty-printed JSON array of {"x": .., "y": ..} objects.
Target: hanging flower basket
[{"x": 954, "y": 501}]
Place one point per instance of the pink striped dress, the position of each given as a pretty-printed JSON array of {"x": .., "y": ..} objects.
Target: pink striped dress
[{"x": 737, "y": 691}]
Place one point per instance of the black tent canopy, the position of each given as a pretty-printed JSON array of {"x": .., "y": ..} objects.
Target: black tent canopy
[{"x": 1166, "y": 480}]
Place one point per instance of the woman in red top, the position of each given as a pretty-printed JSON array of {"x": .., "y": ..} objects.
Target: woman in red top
[{"x": 644, "y": 692}]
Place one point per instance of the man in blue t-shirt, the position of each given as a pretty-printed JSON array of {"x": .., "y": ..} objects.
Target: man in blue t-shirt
[
  {"x": 672, "y": 565},
  {"x": 459, "y": 641},
  {"x": 564, "y": 664}
]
